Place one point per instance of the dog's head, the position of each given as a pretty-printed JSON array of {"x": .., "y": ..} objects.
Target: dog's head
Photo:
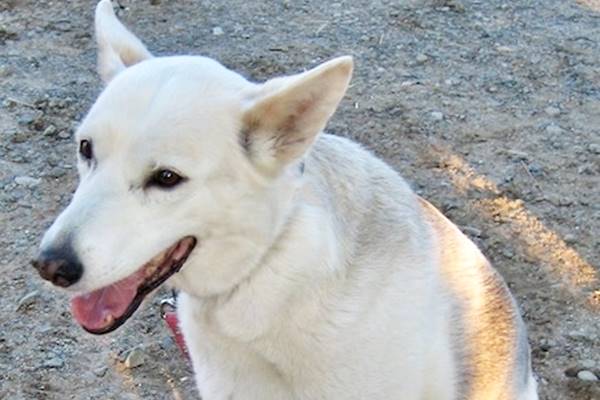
[{"x": 187, "y": 170}]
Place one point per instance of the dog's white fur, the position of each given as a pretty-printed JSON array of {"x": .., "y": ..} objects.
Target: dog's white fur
[{"x": 319, "y": 274}]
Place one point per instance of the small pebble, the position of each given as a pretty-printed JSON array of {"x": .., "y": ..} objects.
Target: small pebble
[
  {"x": 54, "y": 362},
  {"x": 167, "y": 343},
  {"x": 27, "y": 181},
  {"x": 521, "y": 155},
  {"x": 586, "y": 375},
  {"x": 50, "y": 130},
  {"x": 4, "y": 71},
  {"x": 569, "y": 238},
  {"x": 135, "y": 358},
  {"x": 64, "y": 134},
  {"x": 56, "y": 172},
  {"x": 471, "y": 231},
  {"x": 436, "y": 116},
  {"x": 28, "y": 300},
  {"x": 586, "y": 169},
  {"x": 100, "y": 371},
  {"x": 594, "y": 148},
  {"x": 535, "y": 169},
  {"x": 552, "y": 111},
  {"x": 554, "y": 129},
  {"x": 27, "y": 118},
  {"x": 217, "y": 31},
  {"x": 421, "y": 58},
  {"x": 505, "y": 49},
  {"x": 17, "y": 137}
]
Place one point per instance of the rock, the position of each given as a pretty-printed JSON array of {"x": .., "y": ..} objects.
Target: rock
[
  {"x": 27, "y": 301},
  {"x": 436, "y": 116},
  {"x": 554, "y": 129},
  {"x": 594, "y": 148},
  {"x": 421, "y": 58},
  {"x": 508, "y": 253},
  {"x": 217, "y": 31},
  {"x": 586, "y": 169},
  {"x": 578, "y": 335},
  {"x": 504, "y": 49},
  {"x": 27, "y": 117},
  {"x": 135, "y": 358},
  {"x": 100, "y": 371},
  {"x": 64, "y": 134},
  {"x": 452, "y": 5},
  {"x": 569, "y": 238},
  {"x": 56, "y": 172},
  {"x": 17, "y": 137},
  {"x": 535, "y": 169},
  {"x": 471, "y": 231},
  {"x": 565, "y": 202},
  {"x": 586, "y": 375},
  {"x": 154, "y": 2},
  {"x": 521, "y": 155},
  {"x": 168, "y": 343},
  {"x": 5, "y": 71},
  {"x": 27, "y": 181},
  {"x": 50, "y": 130},
  {"x": 54, "y": 362},
  {"x": 552, "y": 111}
]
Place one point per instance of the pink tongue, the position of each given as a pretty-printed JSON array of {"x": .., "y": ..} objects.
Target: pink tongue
[{"x": 96, "y": 310}]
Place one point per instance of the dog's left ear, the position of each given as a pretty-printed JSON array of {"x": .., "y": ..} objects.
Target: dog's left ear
[
  {"x": 282, "y": 119},
  {"x": 117, "y": 47}
]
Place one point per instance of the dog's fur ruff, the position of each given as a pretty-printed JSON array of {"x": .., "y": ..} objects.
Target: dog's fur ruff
[{"x": 318, "y": 273}]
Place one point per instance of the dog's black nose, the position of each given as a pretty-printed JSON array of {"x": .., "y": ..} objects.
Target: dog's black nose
[{"x": 60, "y": 266}]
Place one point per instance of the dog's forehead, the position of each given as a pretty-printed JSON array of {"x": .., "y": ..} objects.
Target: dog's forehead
[{"x": 167, "y": 96}]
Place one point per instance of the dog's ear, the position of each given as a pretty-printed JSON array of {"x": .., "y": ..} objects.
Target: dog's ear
[
  {"x": 117, "y": 47},
  {"x": 282, "y": 119}
]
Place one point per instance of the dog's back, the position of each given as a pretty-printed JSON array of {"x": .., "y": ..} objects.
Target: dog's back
[
  {"x": 490, "y": 335},
  {"x": 487, "y": 342}
]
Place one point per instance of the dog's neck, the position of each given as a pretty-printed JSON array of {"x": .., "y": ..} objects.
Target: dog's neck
[{"x": 304, "y": 253}]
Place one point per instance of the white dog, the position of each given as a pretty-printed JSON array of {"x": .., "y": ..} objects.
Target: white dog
[{"x": 307, "y": 267}]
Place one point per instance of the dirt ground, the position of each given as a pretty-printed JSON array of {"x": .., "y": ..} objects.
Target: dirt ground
[{"x": 491, "y": 109}]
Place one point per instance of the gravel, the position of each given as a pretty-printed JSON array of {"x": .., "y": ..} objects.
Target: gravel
[{"x": 27, "y": 181}]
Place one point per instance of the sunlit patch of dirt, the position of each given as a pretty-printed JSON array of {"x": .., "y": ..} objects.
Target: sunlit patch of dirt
[
  {"x": 534, "y": 238},
  {"x": 593, "y": 4}
]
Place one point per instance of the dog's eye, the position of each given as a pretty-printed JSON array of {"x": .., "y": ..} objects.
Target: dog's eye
[
  {"x": 85, "y": 149},
  {"x": 165, "y": 178}
]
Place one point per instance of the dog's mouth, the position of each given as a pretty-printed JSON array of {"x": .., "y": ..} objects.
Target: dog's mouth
[{"x": 107, "y": 308}]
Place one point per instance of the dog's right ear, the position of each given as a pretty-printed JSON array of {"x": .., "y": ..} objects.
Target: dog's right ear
[{"x": 117, "y": 47}]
